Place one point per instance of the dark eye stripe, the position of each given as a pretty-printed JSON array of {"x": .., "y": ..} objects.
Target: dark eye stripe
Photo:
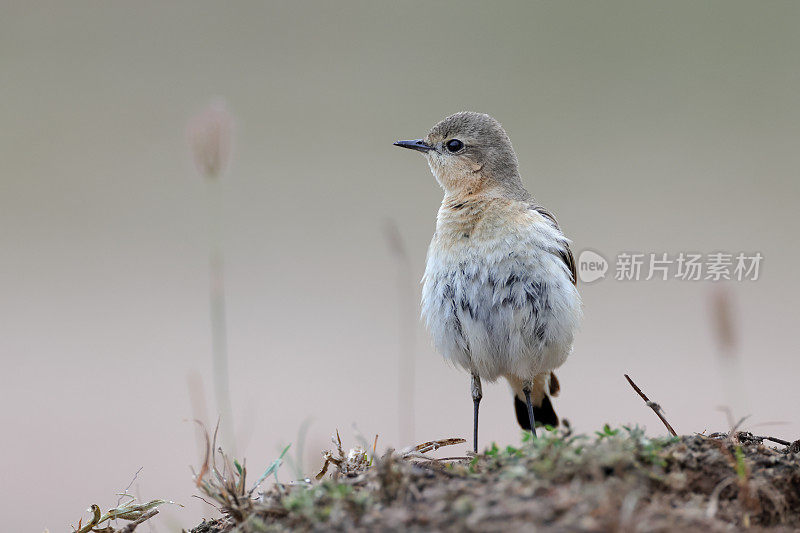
[{"x": 454, "y": 145}]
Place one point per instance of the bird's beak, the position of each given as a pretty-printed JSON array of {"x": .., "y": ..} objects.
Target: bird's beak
[{"x": 418, "y": 145}]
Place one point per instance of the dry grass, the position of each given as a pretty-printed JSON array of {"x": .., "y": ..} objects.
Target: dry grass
[
  {"x": 133, "y": 512},
  {"x": 127, "y": 509},
  {"x": 223, "y": 482}
]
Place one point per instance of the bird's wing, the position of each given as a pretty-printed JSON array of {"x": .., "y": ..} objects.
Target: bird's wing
[{"x": 566, "y": 254}]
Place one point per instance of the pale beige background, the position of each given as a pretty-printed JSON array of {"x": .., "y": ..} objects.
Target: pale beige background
[{"x": 657, "y": 126}]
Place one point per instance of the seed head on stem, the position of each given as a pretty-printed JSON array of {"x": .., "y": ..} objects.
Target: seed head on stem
[{"x": 210, "y": 134}]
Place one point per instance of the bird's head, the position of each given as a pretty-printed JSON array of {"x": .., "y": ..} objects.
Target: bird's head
[{"x": 469, "y": 153}]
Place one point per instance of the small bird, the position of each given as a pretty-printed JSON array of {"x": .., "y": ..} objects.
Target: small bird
[{"x": 499, "y": 293}]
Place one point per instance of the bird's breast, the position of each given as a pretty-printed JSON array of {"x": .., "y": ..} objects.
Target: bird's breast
[{"x": 494, "y": 295}]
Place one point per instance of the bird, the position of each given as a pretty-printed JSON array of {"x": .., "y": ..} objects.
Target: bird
[{"x": 499, "y": 293}]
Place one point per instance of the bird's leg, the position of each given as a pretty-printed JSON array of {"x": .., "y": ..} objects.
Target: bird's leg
[
  {"x": 477, "y": 394},
  {"x": 526, "y": 389}
]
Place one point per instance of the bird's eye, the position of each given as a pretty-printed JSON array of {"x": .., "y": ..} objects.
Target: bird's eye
[{"x": 454, "y": 145}]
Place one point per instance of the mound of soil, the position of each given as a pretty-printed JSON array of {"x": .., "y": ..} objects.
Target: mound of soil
[{"x": 620, "y": 480}]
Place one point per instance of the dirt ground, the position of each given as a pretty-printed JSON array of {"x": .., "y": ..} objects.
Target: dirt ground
[{"x": 616, "y": 480}]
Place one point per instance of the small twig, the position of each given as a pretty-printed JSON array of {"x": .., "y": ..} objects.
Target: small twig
[
  {"x": 652, "y": 405},
  {"x": 761, "y": 437},
  {"x": 778, "y": 441},
  {"x": 429, "y": 446},
  {"x": 132, "y": 526},
  {"x": 208, "y": 502},
  {"x": 436, "y": 444}
]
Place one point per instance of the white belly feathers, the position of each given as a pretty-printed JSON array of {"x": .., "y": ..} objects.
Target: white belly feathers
[{"x": 501, "y": 303}]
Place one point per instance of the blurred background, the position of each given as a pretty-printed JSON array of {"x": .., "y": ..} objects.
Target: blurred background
[{"x": 645, "y": 126}]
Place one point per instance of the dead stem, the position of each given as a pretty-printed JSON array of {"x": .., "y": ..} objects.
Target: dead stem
[
  {"x": 356, "y": 461},
  {"x": 132, "y": 526},
  {"x": 652, "y": 405},
  {"x": 430, "y": 446}
]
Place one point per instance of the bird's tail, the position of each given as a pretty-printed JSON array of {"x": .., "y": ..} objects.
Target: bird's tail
[{"x": 543, "y": 412}]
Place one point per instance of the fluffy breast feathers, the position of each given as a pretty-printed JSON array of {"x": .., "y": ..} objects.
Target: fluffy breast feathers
[{"x": 498, "y": 292}]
